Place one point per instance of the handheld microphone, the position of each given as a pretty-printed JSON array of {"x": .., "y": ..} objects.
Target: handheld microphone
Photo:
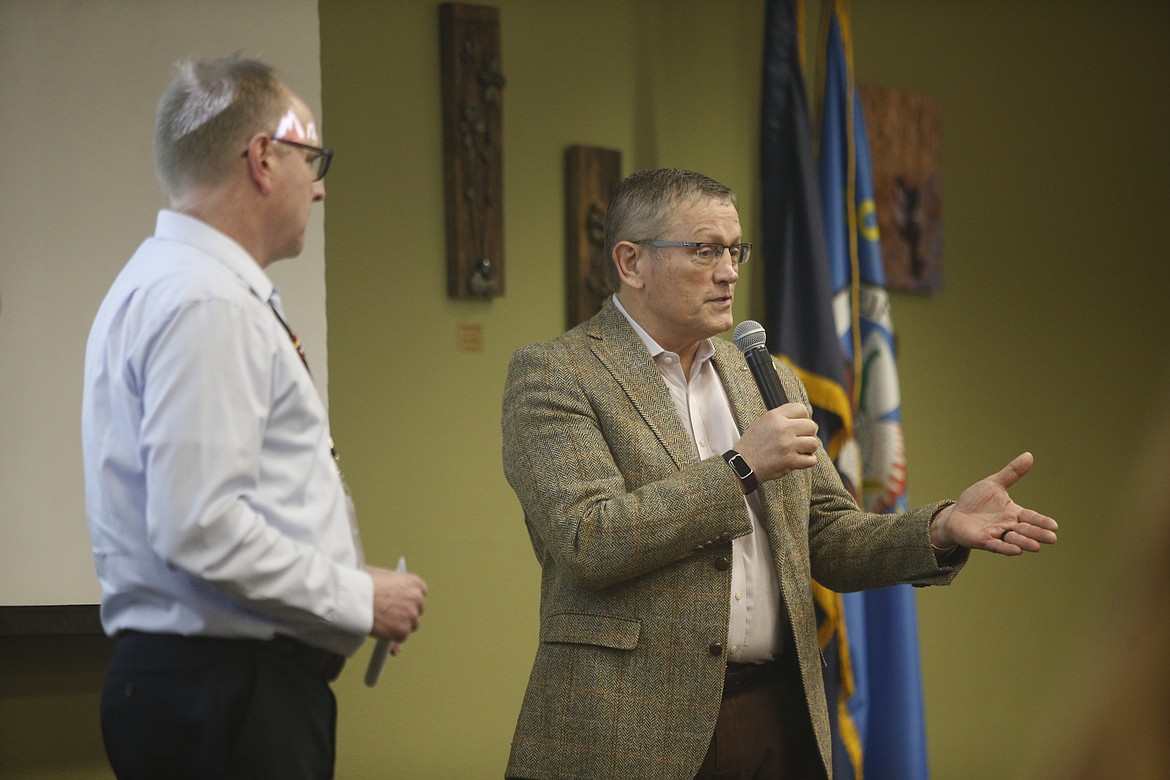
[
  {"x": 750, "y": 339},
  {"x": 382, "y": 647}
]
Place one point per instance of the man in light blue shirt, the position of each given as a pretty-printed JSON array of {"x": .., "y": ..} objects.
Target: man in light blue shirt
[{"x": 223, "y": 535}]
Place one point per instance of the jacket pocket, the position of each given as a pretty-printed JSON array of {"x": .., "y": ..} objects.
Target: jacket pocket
[{"x": 583, "y": 629}]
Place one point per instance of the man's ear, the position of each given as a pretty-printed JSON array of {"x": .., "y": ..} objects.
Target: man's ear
[
  {"x": 259, "y": 157},
  {"x": 627, "y": 258}
]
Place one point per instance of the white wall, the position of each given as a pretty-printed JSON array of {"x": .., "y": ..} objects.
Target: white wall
[{"x": 79, "y": 81}]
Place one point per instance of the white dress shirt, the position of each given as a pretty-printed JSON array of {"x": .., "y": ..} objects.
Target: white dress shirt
[
  {"x": 753, "y": 635},
  {"x": 215, "y": 506}
]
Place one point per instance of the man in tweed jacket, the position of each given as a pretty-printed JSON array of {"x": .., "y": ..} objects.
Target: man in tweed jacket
[{"x": 611, "y": 442}]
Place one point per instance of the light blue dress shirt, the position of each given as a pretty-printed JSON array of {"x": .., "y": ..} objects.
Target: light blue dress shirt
[{"x": 215, "y": 506}]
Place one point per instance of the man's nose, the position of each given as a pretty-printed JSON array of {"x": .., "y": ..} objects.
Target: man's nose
[{"x": 727, "y": 267}]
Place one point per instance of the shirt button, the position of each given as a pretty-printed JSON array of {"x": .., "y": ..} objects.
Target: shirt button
[
  {"x": 738, "y": 596},
  {"x": 721, "y": 564}
]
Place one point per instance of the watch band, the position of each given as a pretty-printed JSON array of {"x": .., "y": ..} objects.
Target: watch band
[{"x": 747, "y": 477}]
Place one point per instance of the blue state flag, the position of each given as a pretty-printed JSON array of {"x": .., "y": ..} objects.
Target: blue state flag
[{"x": 887, "y": 703}]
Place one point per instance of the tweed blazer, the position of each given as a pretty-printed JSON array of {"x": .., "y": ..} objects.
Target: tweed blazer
[{"x": 633, "y": 534}]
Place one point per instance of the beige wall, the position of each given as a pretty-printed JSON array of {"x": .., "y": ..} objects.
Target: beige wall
[
  {"x": 1048, "y": 336},
  {"x": 79, "y": 84}
]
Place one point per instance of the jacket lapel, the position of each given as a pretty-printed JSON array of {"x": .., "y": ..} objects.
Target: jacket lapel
[
  {"x": 746, "y": 405},
  {"x": 746, "y": 402},
  {"x": 623, "y": 354}
]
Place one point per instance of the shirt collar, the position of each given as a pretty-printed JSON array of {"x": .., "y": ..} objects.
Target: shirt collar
[
  {"x": 705, "y": 352},
  {"x": 174, "y": 226}
]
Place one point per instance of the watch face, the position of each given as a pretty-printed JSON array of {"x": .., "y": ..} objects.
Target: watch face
[{"x": 740, "y": 465}]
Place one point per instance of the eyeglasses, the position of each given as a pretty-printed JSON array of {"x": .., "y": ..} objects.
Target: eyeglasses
[
  {"x": 319, "y": 162},
  {"x": 707, "y": 253}
]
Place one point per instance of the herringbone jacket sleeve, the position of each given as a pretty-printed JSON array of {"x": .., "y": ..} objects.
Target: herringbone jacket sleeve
[{"x": 602, "y": 494}]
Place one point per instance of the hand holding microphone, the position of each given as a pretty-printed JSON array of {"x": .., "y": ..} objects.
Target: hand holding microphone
[
  {"x": 399, "y": 598},
  {"x": 783, "y": 439}
]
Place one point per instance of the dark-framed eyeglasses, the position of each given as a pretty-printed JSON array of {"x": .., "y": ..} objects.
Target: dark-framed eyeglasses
[
  {"x": 319, "y": 162},
  {"x": 706, "y": 253}
]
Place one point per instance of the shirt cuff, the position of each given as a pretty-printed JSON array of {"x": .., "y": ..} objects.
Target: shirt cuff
[{"x": 354, "y": 611}]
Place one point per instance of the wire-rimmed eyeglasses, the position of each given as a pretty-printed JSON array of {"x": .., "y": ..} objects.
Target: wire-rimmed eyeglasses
[{"x": 706, "y": 253}]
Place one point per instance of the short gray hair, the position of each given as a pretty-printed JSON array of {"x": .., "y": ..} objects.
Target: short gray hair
[
  {"x": 207, "y": 115},
  {"x": 646, "y": 203}
]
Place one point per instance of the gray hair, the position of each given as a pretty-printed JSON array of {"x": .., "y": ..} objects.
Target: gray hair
[
  {"x": 207, "y": 115},
  {"x": 646, "y": 204}
]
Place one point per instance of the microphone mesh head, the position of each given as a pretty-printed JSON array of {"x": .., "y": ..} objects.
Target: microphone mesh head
[{"x": 749, "y": 334}]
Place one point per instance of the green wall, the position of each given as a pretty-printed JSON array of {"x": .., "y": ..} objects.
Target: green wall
[
  {"x": 417, "y": 421},
  {"x": 1049, "y": 335}
]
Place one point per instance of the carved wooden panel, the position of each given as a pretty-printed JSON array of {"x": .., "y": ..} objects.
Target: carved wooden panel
[
  {"x": 472, "y": 95},
  {"x": 905, "y": 149},
  {"x": 591, "y": 174}
]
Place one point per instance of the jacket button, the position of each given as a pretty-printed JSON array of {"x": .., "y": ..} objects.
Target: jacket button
[
  {"x": 722, "y": 564},
  {"x": 725, "y": 536},
  {"x": 715, "y": 649}
]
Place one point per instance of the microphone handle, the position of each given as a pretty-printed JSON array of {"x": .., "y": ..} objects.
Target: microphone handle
[
  {"x": 382, "y": 647},
  {"x": 760, "y": 363}
]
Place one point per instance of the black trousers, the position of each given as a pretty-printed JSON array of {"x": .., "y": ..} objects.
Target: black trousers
[{"x": 202, "y": 707}]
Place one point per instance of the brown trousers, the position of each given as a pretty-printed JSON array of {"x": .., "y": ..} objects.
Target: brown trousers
[{"x": 763, "y": 731}]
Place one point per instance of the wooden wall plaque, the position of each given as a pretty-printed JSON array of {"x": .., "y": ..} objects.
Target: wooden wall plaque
[
  {"x": 591, "y": 174},
  {"x": 905, "y": 150},
  {"x": 472, "y": 95}
]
